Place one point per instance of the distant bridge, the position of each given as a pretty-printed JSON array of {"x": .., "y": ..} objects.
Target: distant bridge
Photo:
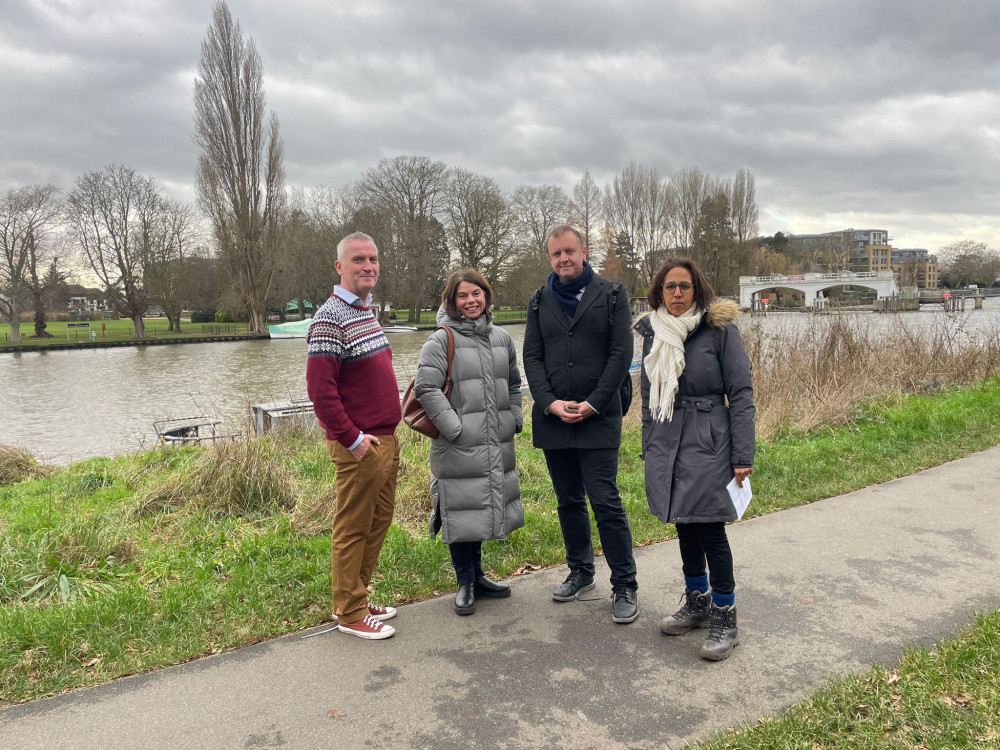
[{"x": 813, "y": 284}]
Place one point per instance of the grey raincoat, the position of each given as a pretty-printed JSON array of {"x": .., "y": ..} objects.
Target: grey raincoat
[
  {"x": 474, "y": 489},
  {"x": 690, "y": 460}
]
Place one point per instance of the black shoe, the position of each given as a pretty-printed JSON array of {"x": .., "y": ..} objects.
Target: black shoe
[
  {"x": 624, "y": 605},
  {"x": 491, "y": 589},
  {"x": 723, "y": 634},
  {"x": 574, "y": 585},
  {"x": 465, "y": 599},
  {"x": 694, "y": 614}
]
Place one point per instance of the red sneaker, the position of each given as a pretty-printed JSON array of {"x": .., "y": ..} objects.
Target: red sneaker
[
  {"x": 369, "y": 628},
  {"x": 381, "y": 613}
]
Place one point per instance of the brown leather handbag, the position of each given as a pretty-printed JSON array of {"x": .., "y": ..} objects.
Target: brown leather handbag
[{"x": 413, "y": 413}]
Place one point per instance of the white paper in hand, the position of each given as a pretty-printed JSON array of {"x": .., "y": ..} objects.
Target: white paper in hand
[{"x": 740, "y": 496}]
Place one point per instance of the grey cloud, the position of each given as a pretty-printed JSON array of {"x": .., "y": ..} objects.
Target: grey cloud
[{"x": 872, "y": 109}]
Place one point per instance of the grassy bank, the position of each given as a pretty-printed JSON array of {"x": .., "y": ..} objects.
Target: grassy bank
[
  {"x": 113, "y": 567},
  {"x": 947, "y": 697},
  {"x": 116, "y": 330}
]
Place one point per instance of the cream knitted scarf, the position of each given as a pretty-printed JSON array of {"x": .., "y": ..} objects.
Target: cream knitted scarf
[{"x": 665, "y": 361}]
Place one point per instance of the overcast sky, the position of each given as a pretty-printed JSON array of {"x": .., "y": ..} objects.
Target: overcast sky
[{"x": 866, "y": 114}]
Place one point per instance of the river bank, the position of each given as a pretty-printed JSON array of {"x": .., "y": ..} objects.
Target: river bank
[{"x": 111, "y": 567}]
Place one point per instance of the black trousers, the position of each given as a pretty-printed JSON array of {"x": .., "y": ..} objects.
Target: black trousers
[
  {"x": 467, "y": 557},
  {"x": 579, "y": 473},
  {"x": 701, "y": 542}
]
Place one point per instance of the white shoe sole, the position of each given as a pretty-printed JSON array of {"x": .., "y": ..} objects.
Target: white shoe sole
[
  {"x": 386, "y": 632},
  {"x": 387, "y": 616}
]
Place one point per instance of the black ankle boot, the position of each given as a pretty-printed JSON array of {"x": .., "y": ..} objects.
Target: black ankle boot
[
  {"x": 465, "y": 599},
  {"x": 491, "y": 589}
]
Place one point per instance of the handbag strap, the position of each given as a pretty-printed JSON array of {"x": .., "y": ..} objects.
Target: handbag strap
[{"x": 451, "y": 356}]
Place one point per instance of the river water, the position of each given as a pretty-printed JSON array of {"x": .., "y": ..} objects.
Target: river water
[{"x": 69, "y": 405}]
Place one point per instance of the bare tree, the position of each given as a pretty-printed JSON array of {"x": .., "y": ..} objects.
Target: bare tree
[
  {"x": 743, "y": 208},
  {"x": 481, "y": 224},
  {"x": 27, "y": 217},
  {"x": 118, "y": 220},
  {"x": 410, "y": 189},
  {"x": 241, "y": 175},
  {"x": 969, "y": 262},
  {"x": 687, "y": 192},
  {"x": 170, "y": 274},
  {"x": 635, "y": 210},
  {"x": 585, "y": 210},
  {"x": 540, "y": 209}
]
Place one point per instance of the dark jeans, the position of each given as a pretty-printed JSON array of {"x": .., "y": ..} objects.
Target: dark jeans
[
  {"x": 467, "y": 557},
  {"x": 707, "y": 541},
  {"x": 577, "y": 474}
]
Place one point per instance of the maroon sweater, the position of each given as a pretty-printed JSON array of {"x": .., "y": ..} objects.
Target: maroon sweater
[{"x": 349, "y": 373}]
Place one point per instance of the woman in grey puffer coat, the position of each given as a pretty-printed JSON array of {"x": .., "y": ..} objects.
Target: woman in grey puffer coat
[
  {"x": 697, "y": 436},
  {"x": 475, "y": 494}
]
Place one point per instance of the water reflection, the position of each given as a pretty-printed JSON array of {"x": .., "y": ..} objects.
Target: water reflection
[{"x": 68, "y": 405}]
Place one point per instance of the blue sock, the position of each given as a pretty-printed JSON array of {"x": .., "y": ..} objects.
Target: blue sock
[
  {"x": 699, "y": 584},
  {"x": 723, "y": 600}
]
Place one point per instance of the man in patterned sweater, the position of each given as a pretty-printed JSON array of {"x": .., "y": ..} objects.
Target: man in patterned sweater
[{"x": 356, "y": 399}]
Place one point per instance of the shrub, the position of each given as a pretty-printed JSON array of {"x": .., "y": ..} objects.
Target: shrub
[
  {"x": 17, "y": 465},
  {"x": 242, "y": 478},
  {"x": 221, "y": 316},
  {"x": 203, "y": 316}
]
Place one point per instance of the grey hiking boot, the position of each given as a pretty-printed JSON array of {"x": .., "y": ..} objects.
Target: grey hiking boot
[
  {"x": 723, "y": 635},
  {"x": 693, "y": 614},
  {"x": 574, "y": 585}
]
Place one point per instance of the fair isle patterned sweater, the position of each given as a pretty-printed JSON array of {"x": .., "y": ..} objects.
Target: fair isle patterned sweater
[{"x": 349, "y": 373}]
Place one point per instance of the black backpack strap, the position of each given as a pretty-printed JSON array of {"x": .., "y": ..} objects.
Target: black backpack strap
[
  {"x": 616, "y": 289},
  {"x": 536, "y": 297}
]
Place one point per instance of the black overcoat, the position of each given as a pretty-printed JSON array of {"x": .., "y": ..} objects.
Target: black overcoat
[
  {"x": 690, "y": 460},
  {"x": 583, "y": 359}
]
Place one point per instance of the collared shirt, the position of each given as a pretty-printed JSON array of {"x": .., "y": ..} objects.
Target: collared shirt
[
  {"x": 354, "y": 301},
  {"x": 351, "y": 298}
]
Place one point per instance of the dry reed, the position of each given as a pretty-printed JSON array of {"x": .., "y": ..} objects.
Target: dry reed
[
  {"x": 242, "y": 478},
  {"x": 18, "y": 465},
  {"x": 821, "y": 372}
]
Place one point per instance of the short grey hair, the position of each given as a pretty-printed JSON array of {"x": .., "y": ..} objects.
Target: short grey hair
[{"x": 348, "y": 238}]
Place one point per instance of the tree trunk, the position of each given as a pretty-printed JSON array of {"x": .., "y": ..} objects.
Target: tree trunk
[
  {"x": 40, "y": 324},
  {"x": 258, "y": 322},
  {"x": 140, "y": 327},
  {"x": 15, "y": 328},
  {"x": 177, "y": 322}
]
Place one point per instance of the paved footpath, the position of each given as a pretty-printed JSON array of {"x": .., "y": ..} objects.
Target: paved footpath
[{"x": 824, "y": 589}]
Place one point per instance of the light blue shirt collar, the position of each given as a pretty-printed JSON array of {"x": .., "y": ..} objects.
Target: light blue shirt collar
[{"x": 351, "y": 298}]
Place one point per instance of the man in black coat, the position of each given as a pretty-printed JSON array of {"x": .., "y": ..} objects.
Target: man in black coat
[{"x": 577, "y": 352}]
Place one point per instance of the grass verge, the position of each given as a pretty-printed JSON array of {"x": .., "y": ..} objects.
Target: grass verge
[
  {"x": 944, "y": 697},
  {"x": 114, "y": 567}
]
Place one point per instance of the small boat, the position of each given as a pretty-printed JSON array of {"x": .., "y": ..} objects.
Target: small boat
[
  {"x": 399, "y": 329},
  {"x": 295, "y": 329},
  {"x": 190, "y": 430}
]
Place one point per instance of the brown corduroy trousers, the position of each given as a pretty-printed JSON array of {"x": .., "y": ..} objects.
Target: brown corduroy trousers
[{"x": 366, "y": 498}]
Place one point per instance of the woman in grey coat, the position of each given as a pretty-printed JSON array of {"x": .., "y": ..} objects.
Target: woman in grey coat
[
  {"x": 475, "y": 494},
  {"x": 697, "y": 436}
]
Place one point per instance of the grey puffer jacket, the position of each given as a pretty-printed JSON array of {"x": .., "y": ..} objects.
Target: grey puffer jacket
[
  {"x": 474, "y": 489},
  {"x": 690, "y": 460}
]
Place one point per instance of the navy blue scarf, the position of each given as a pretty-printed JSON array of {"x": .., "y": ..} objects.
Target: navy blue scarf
[{"x": 566, "y": 294}]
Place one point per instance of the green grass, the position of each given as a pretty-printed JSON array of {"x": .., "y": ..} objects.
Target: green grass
[
  {"x": 116, "y": 330},
  {"x": 947, "y": 697},
  {"x": 113, "y": 567}
]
